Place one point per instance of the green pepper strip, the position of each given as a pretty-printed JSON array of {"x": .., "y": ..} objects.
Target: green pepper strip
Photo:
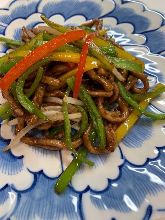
[
  {"x": 140, "y": 97},
  {"x": 108, "y": 50},
  {"x": 21, "y": 51},
  {"x": 4, "y": 107},
  {"x": 92, "y": 136},
  {"x": 68, "y": 48},
  {"x": 7, "y": 115},
  {"x": 69, "y": 172},
  {"x": 36, "y": 82},
  {"x": 135, "y": 105},
  {"x": 22, "y": 98},
  {"x": 47, "y": 36},
  {"x": 13, "y": 90},
  {"x": 67, "y": 131},
  {"x": 5, "y": 111},
  {"x": 6, "y": 66},
  {"x": 11, "y": 41},
  {"x": 59, "y": 27},
  {"x": 84, "y": 123},
  {"x": 67, "y": 126},
  {"x": 127, "y": 64},
  {"x": 64, "y": 48},
  {"x": 92, "y": 109}
]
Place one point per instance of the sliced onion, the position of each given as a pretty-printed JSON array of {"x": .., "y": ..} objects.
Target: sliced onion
[
  {"x": 52, "y": 113},
  {"x": 70, "y": 100},
  {"x": 13, "y": 122},
  {"x": 6, "y": 130},
  {"x": 22, "y": 133},
  {"x": 50, "y": 108},
  {"x": 74, "y": 101},
  {"x": 55, "y": 108},
  {"x": 53, "y": 99},
  {"x": 2, "y": 100},
  {"x": 118, "y": 74},
  {"x": 58, "y": 116}
]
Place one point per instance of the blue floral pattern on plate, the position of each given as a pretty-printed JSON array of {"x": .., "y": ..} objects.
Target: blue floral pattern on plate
[{"x": 124, "y": 185}]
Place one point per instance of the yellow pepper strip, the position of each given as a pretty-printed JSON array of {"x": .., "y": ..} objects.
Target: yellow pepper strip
[
  {"x": 124, "y": 128},
  {"x": 88, "y": 66},
  {"x": 102, "y": 32},
  {"x": 73, "y": 58},
  {"x": 120, "y": 52},
  {"x": 91, "y": 63},
  {"x": 19, "y": 53}
]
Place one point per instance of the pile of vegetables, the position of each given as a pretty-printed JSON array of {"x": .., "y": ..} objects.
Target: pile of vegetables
[{"x": 77, "y": 87}]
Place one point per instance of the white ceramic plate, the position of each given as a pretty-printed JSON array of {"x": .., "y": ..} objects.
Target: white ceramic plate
[{"x": 129, "y": 183}]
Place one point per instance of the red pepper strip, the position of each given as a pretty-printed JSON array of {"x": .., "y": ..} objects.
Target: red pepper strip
[
  {"x": 38, "y": 54},
  {"x": 81, "y": 65}
]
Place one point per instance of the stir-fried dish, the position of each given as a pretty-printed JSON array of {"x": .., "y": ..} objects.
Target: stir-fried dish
[{"x": 72, "y": 88}]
